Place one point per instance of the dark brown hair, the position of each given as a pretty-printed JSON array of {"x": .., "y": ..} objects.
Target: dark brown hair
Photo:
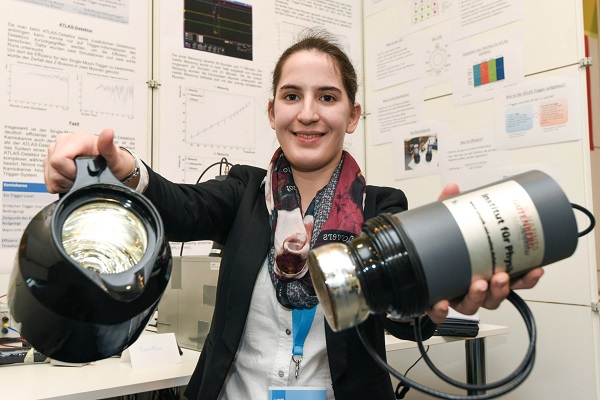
[{"x": 323, "y": 42}]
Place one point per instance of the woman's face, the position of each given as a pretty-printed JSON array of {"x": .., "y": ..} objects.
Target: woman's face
[{"x": 311, "y": 112}]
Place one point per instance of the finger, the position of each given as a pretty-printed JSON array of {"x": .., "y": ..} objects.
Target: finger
[
  {"x": 106, "y": 145},
  {"x": 450, "y": 189},
  {"x": 56, "y": 183},
  {"x": 499, "y": 288},
  {"x": 49, "y": 185},
  {"x": 64, "y": 150},
  {"x": 439, "y": 311},
  {"x": 58, "y": 173},
  {"x": 528, "y": 280},
  {"x": 120, "y": 162},
  {"x": 58, "y": 162},
  {"x": 110, "y": 151},
  {"x": 474, "y": 298}
]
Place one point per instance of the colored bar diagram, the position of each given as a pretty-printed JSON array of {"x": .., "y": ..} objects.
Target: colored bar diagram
[{"x": 488, "y": 72}]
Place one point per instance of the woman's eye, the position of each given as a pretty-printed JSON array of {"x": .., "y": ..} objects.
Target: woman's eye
[
  {"x": 328, "y": 98},
  {"x": 291, "y": 96}
]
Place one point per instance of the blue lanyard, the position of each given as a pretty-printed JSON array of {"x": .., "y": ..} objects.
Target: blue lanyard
[{"x": 301, "y": 323}]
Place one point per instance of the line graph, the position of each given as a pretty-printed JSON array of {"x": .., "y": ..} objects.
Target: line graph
[
  {"x": 106, "y": 96},
  {"x": 219, "y": 119},
  {"x": 38, "y": 86}
]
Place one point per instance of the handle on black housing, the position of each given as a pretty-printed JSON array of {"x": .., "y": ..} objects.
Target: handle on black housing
[{"x": 91, "y": 170}]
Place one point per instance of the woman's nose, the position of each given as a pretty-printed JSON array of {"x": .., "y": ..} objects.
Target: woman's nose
[{"x": 308, "y": 112}]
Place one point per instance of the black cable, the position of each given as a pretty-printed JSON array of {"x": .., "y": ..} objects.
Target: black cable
[
  {"x": 589, "y": 215},
  {"x": 220, "y": 164},
  {"x": 415, "y": 363},
  {"x": 400, "y": 386},
  {"x": 507, "y": 384},
  {"x": 511, "y": 377}
]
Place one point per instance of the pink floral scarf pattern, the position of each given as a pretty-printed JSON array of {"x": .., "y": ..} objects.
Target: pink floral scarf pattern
[{"x": 334, "y": 215}]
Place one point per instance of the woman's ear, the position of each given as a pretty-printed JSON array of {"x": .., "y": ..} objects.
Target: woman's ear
[
  {"x": 355, "y": 114},
  {"x": 271, "y": 112}
]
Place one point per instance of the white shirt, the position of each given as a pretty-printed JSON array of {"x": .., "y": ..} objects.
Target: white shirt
[{"x": 264, "y": 357}]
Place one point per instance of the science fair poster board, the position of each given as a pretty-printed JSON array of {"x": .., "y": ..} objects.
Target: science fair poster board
[{"x": 184, "y": 83}]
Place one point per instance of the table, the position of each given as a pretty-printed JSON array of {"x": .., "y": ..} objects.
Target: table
[
  {"x": 474, "y": 349},
  {"x": 112, "y": 378},
  {"x": 98, "y": 380}
]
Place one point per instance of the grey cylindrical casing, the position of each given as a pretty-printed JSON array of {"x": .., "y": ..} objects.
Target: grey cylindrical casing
[
  {"x": 440, "y": 253},
  {"x": 440, "y": 242},
  {"x": 556, "y": 213}
]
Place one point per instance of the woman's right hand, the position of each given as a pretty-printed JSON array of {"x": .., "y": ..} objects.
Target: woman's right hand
[{"x": 59, "y": 163}]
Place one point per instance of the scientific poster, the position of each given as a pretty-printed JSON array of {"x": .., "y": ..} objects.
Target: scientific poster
[
  {"x": 477, "y": 16},
  {"x": 469, "y": 157},
  {"x": 215, "y": 75},
  {"x": 540, "y": 112},
  {"x": 74, "y": 65},
  {"x": 396, "y": 61},
  {"x": 393, "y": 108}
]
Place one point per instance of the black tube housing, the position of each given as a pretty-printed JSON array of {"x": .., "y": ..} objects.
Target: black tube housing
[{"x": 73, "y": 314}]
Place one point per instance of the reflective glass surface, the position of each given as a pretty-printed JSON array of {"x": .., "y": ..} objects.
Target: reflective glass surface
[{"x": 104, "y": 237}]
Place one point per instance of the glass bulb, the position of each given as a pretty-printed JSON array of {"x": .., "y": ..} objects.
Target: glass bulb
[{"x": 104, "y": 237}]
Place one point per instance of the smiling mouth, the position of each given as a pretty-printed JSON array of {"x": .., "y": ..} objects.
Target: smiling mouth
[{"x": 309, "y": 136}]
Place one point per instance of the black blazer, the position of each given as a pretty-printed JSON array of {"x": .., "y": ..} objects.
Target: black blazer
[{"x": 233, "y": 212}]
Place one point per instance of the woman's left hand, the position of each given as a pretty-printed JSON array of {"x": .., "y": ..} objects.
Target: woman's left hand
[{"x": 482, "y": 293}]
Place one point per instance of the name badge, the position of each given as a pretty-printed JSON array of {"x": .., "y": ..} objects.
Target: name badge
[{"x": 297, "y": 393}]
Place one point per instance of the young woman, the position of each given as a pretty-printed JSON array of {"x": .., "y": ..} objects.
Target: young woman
[{"x": 268, "y": 220}]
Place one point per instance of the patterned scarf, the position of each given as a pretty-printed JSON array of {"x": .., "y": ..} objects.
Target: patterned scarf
[{"x": 334, "y": 215}]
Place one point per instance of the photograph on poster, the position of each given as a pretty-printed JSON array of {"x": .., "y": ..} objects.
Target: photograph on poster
[
  {"x": 220, "y": 27},
  {"x": 419, "y": 148},
  {"x": 416, "y": 149}
]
